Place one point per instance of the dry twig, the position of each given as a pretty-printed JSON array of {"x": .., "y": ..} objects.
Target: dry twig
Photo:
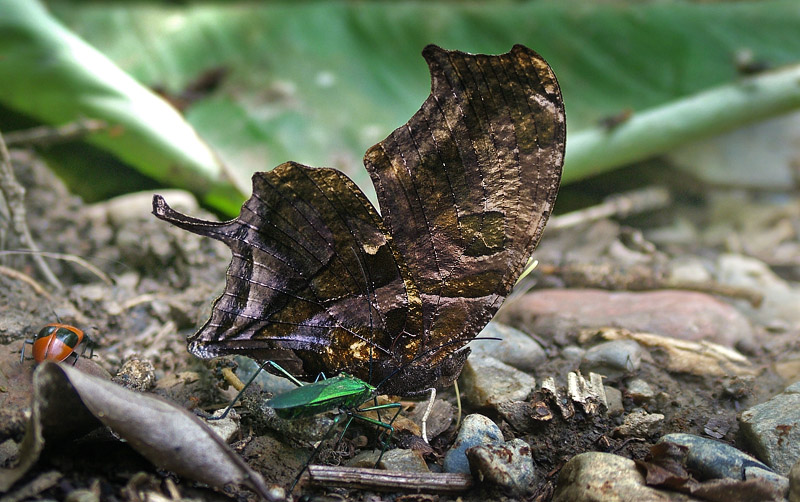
[
  {"x": 376, "y": 479},
  {"x": 622, "y": 205},
  {"x": 48, "y": 135},
  {"x": 14, "y": 194}
]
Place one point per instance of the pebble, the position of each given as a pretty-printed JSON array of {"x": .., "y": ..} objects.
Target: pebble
[
  {"x": 573, "y": 352},
  {"x": 476, "y": 430},
  {"x": 613, "y": 359},
  {"x": 595, "y": 476},
  {"x": 402, "y": 460},
  {"x": 640, "y": 391},
  {"x": 688, "y": 268},
  {"x": 638, "y": 423},
  {"x": 794, "y": 483},
  {"x": 514, "y": 348},
  {"x": 613, "y": 400},
  {"x": 509, "y": 465},
  {"x": 485, "y": 381},
  {"x": 780, "y": 299},
  {"x": 686, "y": 315},
  {"x": 228, "y": 427},
  {"x": 772, "y": 429},
  {"x": 711, "y": 459}
]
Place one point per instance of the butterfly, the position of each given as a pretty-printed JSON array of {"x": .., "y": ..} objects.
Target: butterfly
[{"x": 321, "y": 282}]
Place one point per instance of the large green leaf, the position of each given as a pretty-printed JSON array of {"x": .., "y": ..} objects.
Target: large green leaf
[
  {"x": 49, "y": 74},
  {"x": 321, "y": 82}
]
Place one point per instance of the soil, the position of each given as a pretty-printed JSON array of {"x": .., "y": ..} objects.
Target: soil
[{"x": 162, "y": 283}]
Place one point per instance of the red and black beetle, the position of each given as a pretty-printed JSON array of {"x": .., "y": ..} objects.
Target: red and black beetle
[{"x": 57, "y": 342}]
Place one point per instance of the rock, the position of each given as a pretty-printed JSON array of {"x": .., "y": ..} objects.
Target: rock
[
  {"x": 710, "y": 459},
  {"x": 688, "y": 315},
  {"x": 604, "y": 477},
  {"x": 780, "y": 299},
  {"x": 485, "y": 381},
  {"x": 475, "y": 430},
  {"x": 509, "y": 465},
  {"x": 614, "y": 400},
  {"x": 687, "y": 268},
  {"x": 640, "y": 391},
  {"x": 514, "y": 348},
  {"x": 613, "y": 359},
  {"x": 638, "y": 423},
  {"x": 794, "y": 483},
  {"x": 402, "y": 460},
  {"x": 226, "y": 428},
  {"x": 573, "y": 352},
  {"x": 772, "y": 429}
]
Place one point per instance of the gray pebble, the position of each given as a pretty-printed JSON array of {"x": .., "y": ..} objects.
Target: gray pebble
[
  {"x": 613, "y": 400},
  {"x": 772, "y": 429},
  {"x": 476, "y": 430},
  {"x": 485, "y": 381},
  {"x": 714, "y": 460},
  {"x": 402, "y": 460},
  {"x": 509, "y": 465},
  {"x": 638, "y": 423},
  {"x": 640, "y": 391},
  {"x": 514, "y": 348},
  {"x": 573, "y": 352},
  {"x": 612, "y": 359}
]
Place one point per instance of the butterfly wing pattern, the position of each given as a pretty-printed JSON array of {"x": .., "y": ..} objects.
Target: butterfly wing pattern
[{"x": 320, "y": 282}]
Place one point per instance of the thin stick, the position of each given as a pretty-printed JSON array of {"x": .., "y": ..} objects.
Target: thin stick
[
  {"x": 48, "y": 135},
  {"x": 375, "y": 479},
  {"x": 622, "y": 205},
  {"x": 14, "y": 194},
  {"x": 65, "y": 257},
  {"x": 30, "y": 281}
]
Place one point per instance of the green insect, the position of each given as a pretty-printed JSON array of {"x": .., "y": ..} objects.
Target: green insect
[{"x": 344, "y": 392}]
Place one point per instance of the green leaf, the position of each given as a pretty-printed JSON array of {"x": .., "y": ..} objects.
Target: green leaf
[
  {"x": 320, "y": 82},
  {"x": 51, "y": 75}
]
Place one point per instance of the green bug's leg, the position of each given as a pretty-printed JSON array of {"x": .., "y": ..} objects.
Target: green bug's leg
[
  {"x": 250, "y": 381},
  {"x": 22, "y": 352},
  {"x": 315, "y": 451},
  {"x": 386, "y": 426}
]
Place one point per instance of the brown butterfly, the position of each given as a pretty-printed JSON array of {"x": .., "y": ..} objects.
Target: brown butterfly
[{"x": 320, "y": 282}]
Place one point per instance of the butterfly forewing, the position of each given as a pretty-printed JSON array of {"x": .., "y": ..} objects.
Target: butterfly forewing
[{"x": 465, "y": 188}]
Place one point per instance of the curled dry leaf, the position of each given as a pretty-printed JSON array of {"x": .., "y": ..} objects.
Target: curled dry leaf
[{"x": 67, "y": 403}]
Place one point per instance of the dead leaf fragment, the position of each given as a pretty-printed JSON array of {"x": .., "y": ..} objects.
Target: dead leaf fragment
[{"x": 68, "y": 403}]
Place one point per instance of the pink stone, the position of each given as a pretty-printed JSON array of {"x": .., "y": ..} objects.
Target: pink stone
[{"x": 688, "y": 315}]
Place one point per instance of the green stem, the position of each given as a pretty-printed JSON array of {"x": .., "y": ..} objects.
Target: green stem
[{"x": 658, "y": 130}]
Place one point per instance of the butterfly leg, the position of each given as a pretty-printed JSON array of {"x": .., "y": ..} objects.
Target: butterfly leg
[{"x": 427, "y": 414}]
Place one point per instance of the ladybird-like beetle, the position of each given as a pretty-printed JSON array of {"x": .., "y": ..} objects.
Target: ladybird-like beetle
[{"x": 57, "y": 342}]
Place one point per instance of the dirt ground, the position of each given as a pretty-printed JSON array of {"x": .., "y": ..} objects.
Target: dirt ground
[{"x": 158, "y": 289}]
